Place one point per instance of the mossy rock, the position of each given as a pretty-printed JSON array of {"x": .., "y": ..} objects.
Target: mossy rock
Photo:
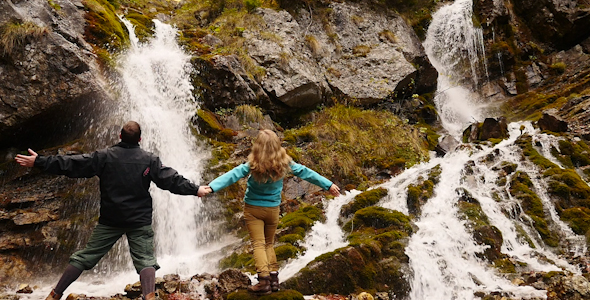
[
  {"x": 280, "y": 295},
  {"x": 578, "y": 218},
  {"x": 284, "y": 252},
  {"x": 526, "y": 144},
  {"x": 351, "y": 270},
  {"x": 364, "y": 199},
  {"x": 380, "y": 218},
  {"x": 303, "y": 218},
  {"x": 504, "y": 265},
  {"x": 211, "y": 127},
  {"x": 290, "y": 238},
  {"x": 244, "y": 261},
  {"x": 144, "y": 26},
  {"x": 104, "y": 29}
]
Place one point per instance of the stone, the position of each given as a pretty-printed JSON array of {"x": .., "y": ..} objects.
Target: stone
[
  {"x": 35, "y": 217},
  {"x": 233, "y": 279},
  {"x": 57, "y": 75},
  {"x": 552, "y": 122},
  {"x": 24, "y": 289},
  {"x": 493, "y": 128}
]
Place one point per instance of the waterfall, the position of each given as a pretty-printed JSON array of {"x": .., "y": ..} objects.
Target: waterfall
[
  {"x": 155, "y": 90},
  {"x": 443, "y": 254},
  {"x": 322, "y": 238},
  {"x": 158, "y": 95},
  {"x": 455, "y": 49}
]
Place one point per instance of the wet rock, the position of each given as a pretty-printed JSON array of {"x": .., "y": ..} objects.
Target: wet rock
[
  {"x": 494, "y": 128},
  {"x": 51, "y": 80},
  {"x": 447, "y": 144},
  {"x": 552, "y": 122},
  {"x": 233, "y": 279},
  {"x": 35, "y": 217},
  {"x": 490, "y": 129},
  {"x": 24, "y": 289},
  {"x": 561, "y": 23}
]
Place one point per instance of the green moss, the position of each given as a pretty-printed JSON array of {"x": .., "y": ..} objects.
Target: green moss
[
  {"x": 290, "y": 238},
  {"x": 280, "y": 295},
  {"x": 572, "y": 154},
  {"x": 525, "y": 143},
  {"x": 54, "y": 5},
  {"x": 284, "y": 252},
  {"x": 380, "y": 218},
  {"x": 364, "y": 199},
  {"x": 473, "y": 213},
  {"x": 300, "y": 221},
  {"x": 239, "y": 261},
  {"x": 104, "y": 29},
  {"x": 418, "y": 194},
  {"x": 557, "y": 68},
  {"x": 523, "y": 236},
  {"x": 504, "y": 265},
  {"x": 578, "y": 219},
  {"x": 568, "y": 187},
  {"x": 144, "y": 26}
]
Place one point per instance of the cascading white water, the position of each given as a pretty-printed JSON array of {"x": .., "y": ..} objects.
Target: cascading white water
[
  {"x": 323, "y": 237},
  {"x": 443, "y": 253},
  {"x": 455, "y": 49},
  {"x": 156, "y": 79}
]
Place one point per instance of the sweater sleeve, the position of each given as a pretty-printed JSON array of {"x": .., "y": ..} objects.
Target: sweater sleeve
[
  {"x": 310, "y": 175},
  {"x": 230, "y": 177}
]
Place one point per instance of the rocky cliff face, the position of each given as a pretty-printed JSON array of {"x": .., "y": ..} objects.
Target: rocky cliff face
[
  {"x": 354, "y": 52},
  {"x": 49, "y": 81}
]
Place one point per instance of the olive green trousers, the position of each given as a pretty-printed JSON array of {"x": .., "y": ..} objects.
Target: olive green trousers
[{"x": 102, "y": 239}]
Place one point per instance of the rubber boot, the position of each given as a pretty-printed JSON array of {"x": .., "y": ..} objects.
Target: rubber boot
[
  {"x": 262, "y": 287},
  {"x": 274, "y": 281},
  {"x": 53, "y": 296}
]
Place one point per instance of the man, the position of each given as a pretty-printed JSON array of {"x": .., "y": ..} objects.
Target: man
[{"x": 125, "y": 173}]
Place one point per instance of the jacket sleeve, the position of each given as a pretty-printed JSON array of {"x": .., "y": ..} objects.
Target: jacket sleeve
[
  {"x": 310, "y": 175},
  {"x": 230, "y": 177},
  {"x": 75, "y": 166},
  {"x": 168, "y": 179}
]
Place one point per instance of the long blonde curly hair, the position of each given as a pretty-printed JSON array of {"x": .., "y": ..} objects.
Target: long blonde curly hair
[{"x": 268, "y": 160}]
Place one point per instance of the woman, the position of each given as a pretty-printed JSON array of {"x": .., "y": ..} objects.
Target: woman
[{"x": 267, "y": 165}]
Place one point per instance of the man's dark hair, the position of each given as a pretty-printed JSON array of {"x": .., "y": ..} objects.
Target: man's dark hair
[{"x": 131, "y": 132}]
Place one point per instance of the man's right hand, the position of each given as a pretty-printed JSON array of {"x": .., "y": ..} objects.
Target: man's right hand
[
  {"x": 27, "y": 160},
  {"x": 204, "y": 190}
]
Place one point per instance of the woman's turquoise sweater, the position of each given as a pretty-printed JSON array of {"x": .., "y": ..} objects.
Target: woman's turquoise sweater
[{"x": 266, "y": 194}]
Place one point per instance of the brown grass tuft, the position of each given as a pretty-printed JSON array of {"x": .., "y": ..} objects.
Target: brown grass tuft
[{"x": 15, "y": 34}]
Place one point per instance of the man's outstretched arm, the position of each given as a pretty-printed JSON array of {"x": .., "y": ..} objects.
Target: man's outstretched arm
[{"x": 27, "y": 160}]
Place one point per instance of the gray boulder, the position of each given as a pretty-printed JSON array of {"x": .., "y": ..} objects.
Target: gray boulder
[{"x": 49, "y": 80}]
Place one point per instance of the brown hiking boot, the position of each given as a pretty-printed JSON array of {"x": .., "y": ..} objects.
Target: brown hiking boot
[
  {"x": 150, "y": 296},
  {"x": 262, "y": 287},
  {"x": 274, "y": 281},
  {"x": 53, "y": 296}
]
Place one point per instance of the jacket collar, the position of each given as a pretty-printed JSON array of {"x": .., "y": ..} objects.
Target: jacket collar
[{"x": 127, "y": 145}]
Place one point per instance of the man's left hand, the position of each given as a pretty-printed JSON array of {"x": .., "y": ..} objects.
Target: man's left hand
[{"x": 27, "y": 160}]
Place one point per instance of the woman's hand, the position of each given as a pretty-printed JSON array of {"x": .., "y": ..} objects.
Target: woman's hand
[
  {"x": 334, "y": 190},
  {"x": 204, "y": 190}
]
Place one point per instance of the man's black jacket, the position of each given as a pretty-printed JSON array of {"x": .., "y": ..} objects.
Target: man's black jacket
[{"x": 125, "y": 173}]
